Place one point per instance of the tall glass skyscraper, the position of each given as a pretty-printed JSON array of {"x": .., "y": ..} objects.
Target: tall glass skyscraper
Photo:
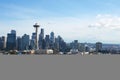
[
  {"x": 2, "y": 42},
  {"x": 57, "y": 44},
  {"x": 19, "y": 43},
  {"x": 25, "y": 42},
  {"x": 52, "y": 40},
  {"x": 33, "y": 36},
  {"x": 41, "y": 38},
  {"x": 11, "y": 40},
  {"x": 32, "y": 44},
  {"x": 47, "y": 41},
  {"x": 32, "y": 41}
]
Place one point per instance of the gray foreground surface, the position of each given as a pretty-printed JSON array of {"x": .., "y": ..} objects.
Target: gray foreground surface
[{"x": 70, "y": 67}]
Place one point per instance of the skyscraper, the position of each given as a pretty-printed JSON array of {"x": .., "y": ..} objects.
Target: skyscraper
[
  {"x": 42, "y": 32},
  {"x": 4, "y": 42},
  {"x": 47, "y": 41},
  {"x": 25, "y": 42},
  {"x": 98, "y": 46},
  {"x": 41, "y": 37},
  {"x": 11, "y": 40},
  {"x": 57, "y": 44},
  {"x": 32, "y": 41},
  {"x": 13, "y": 32},
  {"x": 33, "y": 36},
  {"x": 1, "y": 43},
  {"x": 61, "y": 44},
  {"x": 19, "y": 43},
  {"x": 52, "y": 40},
  {"x": 32, "y": 44}
]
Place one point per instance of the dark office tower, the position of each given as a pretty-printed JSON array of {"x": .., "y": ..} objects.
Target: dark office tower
[
  {"x": 33, "y": 36},
  {"x": 4, "y": 42},
  {"x": 32, "y": 44},
  {"x": 1, "y": 43},
  {"x": 13, "y": 32},
  {"x": 52, "y": 40},
  {"x": 47, "y": 41},
  {"x": 42, "y": 32},
  {"x": 98, "y": 46},
  {"x": 41, "y": 37},
  {"x": 11, "y": 40},
  {"x": 25, "y": 42},
  {"x": 57, "y": 44},
  {"x": 43, "y": 44},
  {"x": 75, "y": 45},
  {"x": 32, "y": 41},
  {"x": 19, "y": 43},
  {"x": 62, "y": 44}
]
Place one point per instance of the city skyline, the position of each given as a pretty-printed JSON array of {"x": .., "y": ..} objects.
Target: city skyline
[
  {"x": 86, "y": 21},
  {"x": 51, "y": 44}
]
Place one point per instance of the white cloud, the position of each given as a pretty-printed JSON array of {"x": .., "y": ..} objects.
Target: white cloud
[
  {"x": 106, "y": 28},
  {"x": 106, "y": 21}
]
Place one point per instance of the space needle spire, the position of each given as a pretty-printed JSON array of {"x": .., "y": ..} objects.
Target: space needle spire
[{"x": 36, "y": 26}]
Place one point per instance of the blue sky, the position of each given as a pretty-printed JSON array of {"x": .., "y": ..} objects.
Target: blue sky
[{"x": 85, "y": 20}]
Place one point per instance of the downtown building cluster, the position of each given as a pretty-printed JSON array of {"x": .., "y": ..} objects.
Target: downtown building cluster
[
  {"x": 51, "y": 42},
  {"x": 14, "y": 42},
  {"x": 45, "y": 42}
]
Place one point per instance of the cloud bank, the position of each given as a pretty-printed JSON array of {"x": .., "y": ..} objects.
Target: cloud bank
[{"x": 106, "y": 21}]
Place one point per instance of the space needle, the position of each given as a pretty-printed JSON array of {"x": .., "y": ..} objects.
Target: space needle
[{"x": 36, "y": 26}]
